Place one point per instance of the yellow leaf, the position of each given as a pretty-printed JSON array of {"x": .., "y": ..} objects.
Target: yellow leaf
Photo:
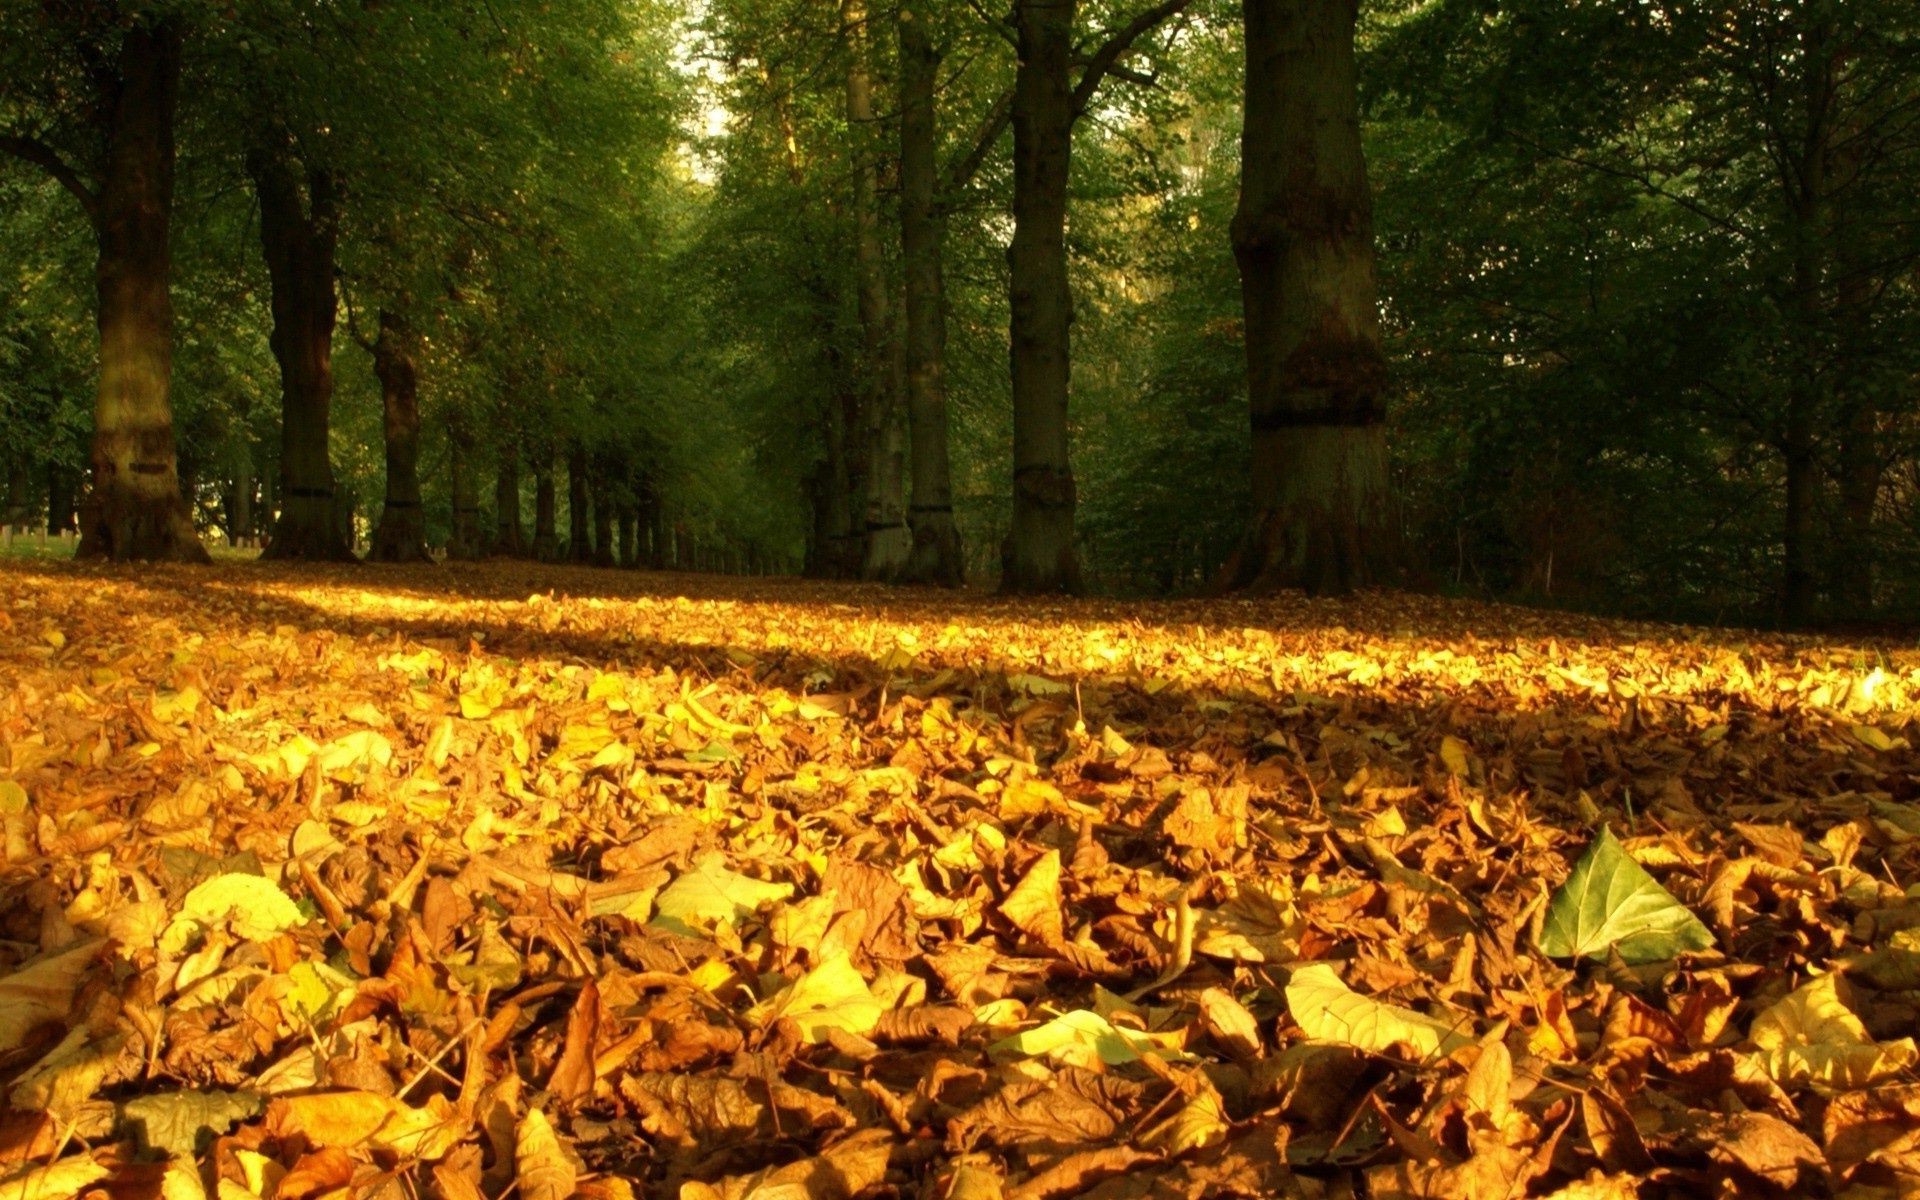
[
  {"x": 831, "y": 996},
  {"x": 354, "y": 1119},
  {"x": 56, "y": 1181},
  {"x": 1084, "y": 1038},
  {"x": 41, "y": 992},
  {"x": 1326, "y": 1009},
  {"x": 1813, "y": 1037},
  {"x": 1035, "y": 906},
  {"x": 252, "y": 906},
  {"x": 542, "y": 1170},
  {"x": 1453, "y": 753},
  {"x": 1201, "y": 1121}
]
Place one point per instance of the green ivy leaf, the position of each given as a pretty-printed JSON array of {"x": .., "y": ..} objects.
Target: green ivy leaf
[{"x": 1610, "y": 900}]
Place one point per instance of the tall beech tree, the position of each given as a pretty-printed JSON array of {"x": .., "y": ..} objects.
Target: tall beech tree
[
  {"x": 299, "y": 233},
  {"x": 89, "y": 95},
  {"x": 401, "y": 534},
  {"x": 927, "y": 194},
  {"x": 1048, "y": 99},
  {"x": 887, "y": 541},
  {"x": 1322, "y": 499}
]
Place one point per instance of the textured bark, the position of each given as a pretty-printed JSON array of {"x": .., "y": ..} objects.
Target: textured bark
[
  {"x": 602, "y": 499},
  {"x": 937, "y": 556},
  {"x": 401, "y": 535},
  {"x": 509, "y": 539},
  {"x": 886, "y": 540},
  {"x": 1039, "y": 553},
  {"x": 134, "y": 508},
  {"x": 18, "y": 507},
  {"x": 1303, "y": 236},
  {"x": 579, "y": 540},
  {"x": 629, "y": 521},
  {"x": 298, "y": 234},
  {"x": 60, "y": 494},
  {"x": 465, "y": 541},
  {"x": 546, "y": 508},
  {"x": 239, "y": 504}
]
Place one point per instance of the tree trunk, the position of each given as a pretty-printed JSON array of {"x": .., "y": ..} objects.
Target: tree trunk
[
  {"x": 298, "y": 235},
  {"x": 1303, "y": 236},
  {"x": 885, "y": 538},
  {"x": 579, "y": 541},
  {"x": 59, "y": 499},
  {"x": 603, "y": 522},
  {"x": 465, "y": 542},
  {"x": 629, "y": 536},
  {"x": 509, "y": 541},
  {"x": 239, "y": 514},
  {"x": 654, "y": 512},
  {"x": 1039, "y": 553},
  {"x": 17, "y": 512},
  {"x": 546, "y": 508},
  {"x": 937, "y": 556},
  {"x": 402, "y": 534},
  {"x": 134, "y": 508}
]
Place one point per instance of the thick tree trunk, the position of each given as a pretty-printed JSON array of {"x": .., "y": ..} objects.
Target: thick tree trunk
[
  {"x": 239, "y": 514},
  {"x": 629, "y": 536},
  {"x": 1860, "y": 476},
  {"x": 1039, "y": 553},
  {"x": 579, "y": 540},
  {"x": 937, "y": 556},
  {"x": 60, "y": 493},
  {"x": 886, "y": 540},
  {"x": 402, "y": 533},
  {"x": 509, "y": 540},
  {"x": 134, "y": 508},
  {"x": 1798, "y": 592},
  {"x": 603, "y": 522},
  {"x": 654, "y": 517},
  {"x": 18, "y": 509},
  {"x": 465, "y": 541},
  {"x": 298, "y": 235},
  {"x": 546, "y": 508},
  {"x": 1323, "y": 514}
]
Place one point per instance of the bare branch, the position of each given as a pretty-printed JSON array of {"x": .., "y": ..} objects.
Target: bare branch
[
  {"x": 37, "y": 152},
  {"x": 991, "y": 126},
  {"x": 1103, "y": 61}
]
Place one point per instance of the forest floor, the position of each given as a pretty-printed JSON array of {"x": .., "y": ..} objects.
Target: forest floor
[{"x": 470, "y": 880}]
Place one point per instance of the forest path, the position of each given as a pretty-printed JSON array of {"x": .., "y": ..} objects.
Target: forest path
[{"x": 862, "y": 878}]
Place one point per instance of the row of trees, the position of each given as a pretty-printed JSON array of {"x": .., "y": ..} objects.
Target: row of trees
[{"x": 1077, "y": 294}]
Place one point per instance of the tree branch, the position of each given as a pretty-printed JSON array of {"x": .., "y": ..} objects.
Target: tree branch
[
  {"x": 991, "y": 126},
  {"x": 1103, "y": 61},
  {"x": 37, "y": 152}
]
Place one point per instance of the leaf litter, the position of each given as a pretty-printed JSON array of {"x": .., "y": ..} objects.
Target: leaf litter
[{"x": 504, "y": 880}]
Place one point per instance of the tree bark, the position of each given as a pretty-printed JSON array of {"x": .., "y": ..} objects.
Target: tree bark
[
  {"x": 465, "y": 542},
  {"x": 298, "y": 235},
  {"x": 59, "y": 499},
  {"x": 1039, "y": 554},
  {"x": 401, "y": 536},
  {"x": 239, "y": 514},
  {"x": 603, "y": 523},
  {"x": 509, "y": 540},
  {"x": 886, "y": 540},
  {"x": 579, "y": 540},
  {"x": 1323, "y": 514},
  {"x": 629, "y": 536},
  {"x": 134, "y": 508},
  {"x": 546, "y": 508},
  {"x": 937, "y": 556},
  {"x": 18, "y": 509}
]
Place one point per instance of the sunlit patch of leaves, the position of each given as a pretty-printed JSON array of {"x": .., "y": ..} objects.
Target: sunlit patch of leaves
[{"x": 475, "y": 880}]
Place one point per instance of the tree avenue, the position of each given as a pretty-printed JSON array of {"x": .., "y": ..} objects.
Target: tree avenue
[{"x": 1609, "y": 305}]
